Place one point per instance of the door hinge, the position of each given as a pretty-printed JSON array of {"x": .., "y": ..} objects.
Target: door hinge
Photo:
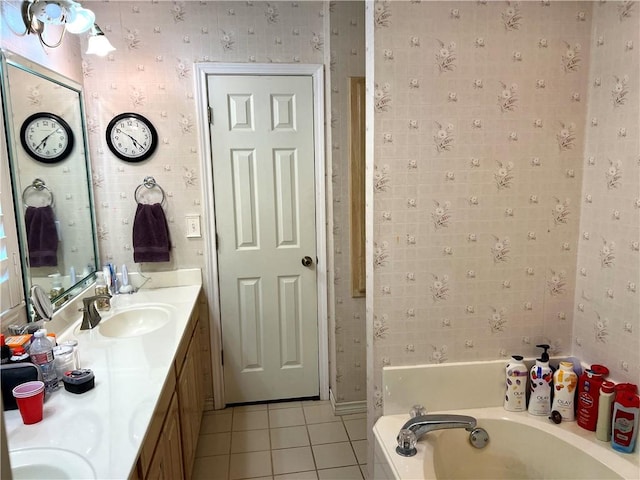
[{"x": 210, "y": 115}]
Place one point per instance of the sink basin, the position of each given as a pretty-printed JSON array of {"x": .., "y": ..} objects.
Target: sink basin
[
  {"x": 49, "y": 463},
  {"x": 135, "y": 321}
]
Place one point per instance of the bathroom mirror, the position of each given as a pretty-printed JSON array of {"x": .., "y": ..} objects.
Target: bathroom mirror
[{"x": 51, "y": 178}]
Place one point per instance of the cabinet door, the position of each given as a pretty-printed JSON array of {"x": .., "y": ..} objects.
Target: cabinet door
[
  {"x": 189, "y": 413},
  {"x": 166, "y": 463}
]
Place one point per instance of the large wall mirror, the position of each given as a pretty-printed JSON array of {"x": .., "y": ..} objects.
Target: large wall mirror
[{"x": 51, "y": 177}]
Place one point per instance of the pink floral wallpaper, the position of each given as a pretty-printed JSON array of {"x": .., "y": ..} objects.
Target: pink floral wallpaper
[{"x": 487, "y": 121}]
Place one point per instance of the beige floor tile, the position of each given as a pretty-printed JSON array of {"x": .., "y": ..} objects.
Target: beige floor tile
[
  {"x": 216, "y": 423},
  {"x": 364, "y": 469},
  {"x": 357, "y": 429},
  {"x": 310, "y": 475},
  {"x": 291, "y": 460},
  {"x": 320, "y": 413},
  {"x": 250, "y": 408},
  {"x": 211, "y": 468},
  {"x": 213, "y": 444},
  {"x": 354, "y": 416},
  {"x": 289, "y": 437},
  {"x": 331, "y": 432},
  {"x": 286, "y": 417},
  {"x": 250, "y": 441},
  {"x": 360, "y": 447},
  {"x": 249, "y": 465},
  {"x": 279, "y": 405},
  {"x": 256, "y": 420},
  {"x": 334, "y": 455},
  {"x": 342, "y": 473}
]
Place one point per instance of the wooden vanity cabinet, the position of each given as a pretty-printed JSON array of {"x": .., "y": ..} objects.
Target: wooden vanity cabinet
[{"x": 172, "y": 437}]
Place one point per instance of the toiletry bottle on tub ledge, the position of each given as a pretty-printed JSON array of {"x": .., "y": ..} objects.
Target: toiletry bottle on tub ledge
[
  {"x": 626, "y": 412},
  {"x": 515, "y": 399},
  {"x": 540, "y": 378},
  {"x": 565, "y": 382}
]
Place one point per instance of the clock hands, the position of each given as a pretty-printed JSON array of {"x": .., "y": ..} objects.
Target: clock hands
[
  {"x": 43, "y": 142},
  {"x": 133, "y": 140}
]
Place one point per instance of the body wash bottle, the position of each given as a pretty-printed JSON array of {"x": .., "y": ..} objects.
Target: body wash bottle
[
  {"x": 565, "y": 382},
  {"x": 515, "y": 399},
  {"x": 540, "y": 378}
]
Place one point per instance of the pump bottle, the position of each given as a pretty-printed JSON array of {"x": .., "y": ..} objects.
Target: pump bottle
[
  {"x": 540, "y": 378},
  {"x": 515, "y": 399}
]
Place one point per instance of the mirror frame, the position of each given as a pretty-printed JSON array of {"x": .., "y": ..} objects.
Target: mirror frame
[{"x": 8, "y": 59}]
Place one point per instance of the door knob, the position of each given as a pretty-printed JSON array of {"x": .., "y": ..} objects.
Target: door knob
[{"x": 307, "y": 261}]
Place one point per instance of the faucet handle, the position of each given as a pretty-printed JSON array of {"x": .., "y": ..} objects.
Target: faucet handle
[
  {"x": 417, "y": 410},
  {"x": 407, "y": 443}
]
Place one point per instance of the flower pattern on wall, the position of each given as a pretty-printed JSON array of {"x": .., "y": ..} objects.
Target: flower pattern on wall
[
  {"x": 620, "y": 90},
  {"x": 566, "y": 136},
  {"x": 439, "y": 288},
  {"x": 511, "y": 17},
  {"x": 443, "y": 139},
  {"x": 446, "y": 57},
  {"x": 571, "y": 58},
  {"x": 501, "y": 249},
  {"x": 504, "y": 176},
  {"x": 441, "y": 214},
  {"x": 508, "y": 100}
]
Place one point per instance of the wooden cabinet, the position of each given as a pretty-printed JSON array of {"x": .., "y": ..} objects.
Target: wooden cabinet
[
  {"x": 172, "y": 437},
  {"x": 166, "y": 463}
]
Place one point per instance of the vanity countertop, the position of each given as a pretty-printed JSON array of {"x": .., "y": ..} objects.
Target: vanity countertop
[{"x": 107, "y": 424}]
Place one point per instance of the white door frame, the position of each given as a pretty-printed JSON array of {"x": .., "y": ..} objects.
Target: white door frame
[{"x": 202, "y": 70}]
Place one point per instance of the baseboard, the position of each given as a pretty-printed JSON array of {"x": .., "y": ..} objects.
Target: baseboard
[{"x": 347, "y": 408}]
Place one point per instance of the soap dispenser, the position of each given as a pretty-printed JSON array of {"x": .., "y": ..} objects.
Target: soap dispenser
[
  {"x": 540, "y": 378},
  {"x": 515, "y": 399}
]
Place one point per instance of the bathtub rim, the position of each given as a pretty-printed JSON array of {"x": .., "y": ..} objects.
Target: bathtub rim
[{"x": 386, "y": 428}]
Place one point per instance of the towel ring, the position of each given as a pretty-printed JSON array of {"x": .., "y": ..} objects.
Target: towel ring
[
  {"x": 37, "y": 185},
  {"x": 149, "y": 182}
]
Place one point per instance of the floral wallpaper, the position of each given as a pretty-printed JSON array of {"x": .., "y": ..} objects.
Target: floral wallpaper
[
  {"x": 347, "y": 60},
  {"x": 607, "y": 293},
  {"x": 486, "y": 121}
]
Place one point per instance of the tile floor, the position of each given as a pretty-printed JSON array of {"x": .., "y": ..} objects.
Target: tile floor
[{"x": 293, "y": 441}]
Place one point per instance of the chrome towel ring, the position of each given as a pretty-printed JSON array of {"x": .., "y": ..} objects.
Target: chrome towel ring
[
  {"x": 39, "y": 186},
  {"x": 149, "y": 183}
]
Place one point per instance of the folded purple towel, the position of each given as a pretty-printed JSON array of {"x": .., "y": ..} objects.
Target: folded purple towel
[
  {"x": 150, "y": 234},
  {"x": 42, "y": 236}
]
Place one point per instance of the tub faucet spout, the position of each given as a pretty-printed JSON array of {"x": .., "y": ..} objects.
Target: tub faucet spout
[{"x": 423, "y": 424}]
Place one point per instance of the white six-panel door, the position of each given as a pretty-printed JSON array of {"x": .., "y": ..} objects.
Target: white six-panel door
[{"x": 262, "y": 143}]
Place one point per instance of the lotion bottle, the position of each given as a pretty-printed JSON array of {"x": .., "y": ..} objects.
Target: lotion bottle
[
  {"x": 540, "y": 378},
  {"x": 515, "y": 399},
  {"x": 565, "y": 382}
]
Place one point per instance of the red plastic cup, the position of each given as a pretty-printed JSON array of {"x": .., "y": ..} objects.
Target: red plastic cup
[{"x": 30, "y": 399}]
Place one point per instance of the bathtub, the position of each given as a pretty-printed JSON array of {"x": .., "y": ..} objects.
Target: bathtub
[{"x": 520, "y": 446}]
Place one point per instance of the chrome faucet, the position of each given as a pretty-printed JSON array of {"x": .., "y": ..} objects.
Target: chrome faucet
[
  {"x": 417, "y": 427},
  {"x": 90, "y": 316}
]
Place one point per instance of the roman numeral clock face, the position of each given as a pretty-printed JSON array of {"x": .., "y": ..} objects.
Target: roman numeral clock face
[
  {"x": 131, "y": 137},
  {"x": 46, "y": 137}
]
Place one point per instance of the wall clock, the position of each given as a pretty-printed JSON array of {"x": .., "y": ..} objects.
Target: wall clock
[
  {"x": 46, "y": 137},
  {"x": 131, "y": 137}
]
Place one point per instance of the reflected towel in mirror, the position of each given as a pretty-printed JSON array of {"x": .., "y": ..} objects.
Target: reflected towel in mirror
[
  {"x": 42, "y": 236},
  {"x": 150, "y": 234}
]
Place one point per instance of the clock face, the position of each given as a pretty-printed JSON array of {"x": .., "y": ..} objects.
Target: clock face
[
  {"x": 46, "y": 137},
  {"x": 131, "y": 137}
]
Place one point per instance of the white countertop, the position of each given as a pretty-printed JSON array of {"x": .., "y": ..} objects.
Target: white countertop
[{"x": 107, "y": 424}]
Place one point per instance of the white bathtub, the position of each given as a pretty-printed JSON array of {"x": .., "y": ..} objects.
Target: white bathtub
[{"x": 521, "y": 446}]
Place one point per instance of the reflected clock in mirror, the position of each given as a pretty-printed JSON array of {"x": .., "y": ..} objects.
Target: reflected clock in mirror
[
  {"x": 46, "y": 137},
  {"x": 131, "y": 137}
]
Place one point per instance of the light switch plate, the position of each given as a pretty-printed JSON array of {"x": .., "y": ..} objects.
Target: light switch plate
[{"x": 193, "y": 226}]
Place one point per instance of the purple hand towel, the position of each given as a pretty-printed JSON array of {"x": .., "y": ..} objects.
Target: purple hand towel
[
  {"x": 150, "y": 234},
  {"x": 42, "y": 236}
]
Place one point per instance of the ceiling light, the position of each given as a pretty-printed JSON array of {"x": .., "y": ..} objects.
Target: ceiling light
[
  {"x": 98, "y": 43},
  {"x": 69, "y": 14}
]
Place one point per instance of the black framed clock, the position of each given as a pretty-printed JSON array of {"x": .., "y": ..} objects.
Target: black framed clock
[
  {"x": 46, "y": 137},
  {"x": 131, "y": 137}
]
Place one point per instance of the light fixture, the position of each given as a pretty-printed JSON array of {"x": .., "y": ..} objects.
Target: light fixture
[
  {"x": 98, "y": 43},
  {"x": 68, "y": 14}
]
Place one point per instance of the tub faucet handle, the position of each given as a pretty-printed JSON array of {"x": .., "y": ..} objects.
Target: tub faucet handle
[
  {"x": 417, "y": 410},
  {"x": 407, "y": 443}
]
